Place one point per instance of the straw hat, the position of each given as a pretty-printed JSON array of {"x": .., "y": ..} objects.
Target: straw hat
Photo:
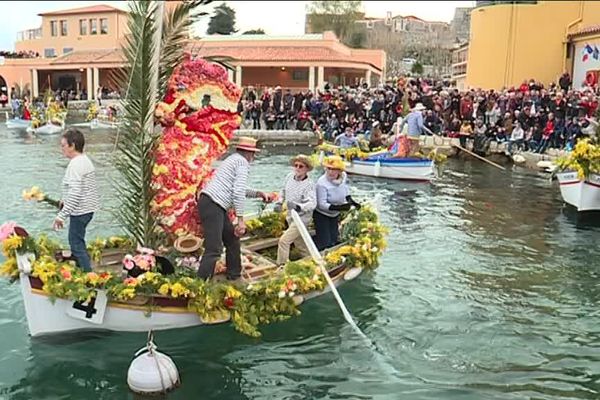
[
  {"x": 304, "y": 160},
  {"x": 419, "y": 107},
  {"x": 247, "y": 143},
  {"x": 187, "y": 244},
  {"x": 334, "y": 162}
]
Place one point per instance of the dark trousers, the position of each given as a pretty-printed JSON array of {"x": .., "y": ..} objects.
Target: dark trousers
[
  {"x": 218, "y": 230},
  {"x": 326, "y": 230},
  {"x": 77, "y": 226}
]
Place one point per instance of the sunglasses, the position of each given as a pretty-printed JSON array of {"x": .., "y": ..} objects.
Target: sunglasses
[{"x": 298, "y": 165}]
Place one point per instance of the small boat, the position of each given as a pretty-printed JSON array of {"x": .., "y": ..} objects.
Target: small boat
[
  {"x": 97, "y": 124},
  {"x": 583, "y": 194},
  {"x": 381, "y": 164},
  {"x": 18, "y": 124},
  {"x": 48, "y": 129},
  {"x": 415, "y": 169},
  {"x": 48, "y": 313}
]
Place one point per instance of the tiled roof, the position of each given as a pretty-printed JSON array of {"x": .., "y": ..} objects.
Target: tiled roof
[
  {"x": 83, "y": 10},
  {"x": 277, "y": 53},
  {"x": 588, "y": 30},
  {"x": 90, "y": 56}
]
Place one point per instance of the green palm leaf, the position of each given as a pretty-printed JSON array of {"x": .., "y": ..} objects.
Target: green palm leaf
[{"x": 138, "y": 137}]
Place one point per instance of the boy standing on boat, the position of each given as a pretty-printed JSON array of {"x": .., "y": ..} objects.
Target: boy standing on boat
[
  {"x": 299, "y": 194},
  {"x": 80, "y": 196},
  {"x": 227, "y": 189}
]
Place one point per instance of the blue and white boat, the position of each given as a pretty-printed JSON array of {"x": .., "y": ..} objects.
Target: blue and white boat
[{"x": 381, "y": 166}]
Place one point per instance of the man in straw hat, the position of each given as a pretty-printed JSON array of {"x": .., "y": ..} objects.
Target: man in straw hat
[
  {"x": 227, "y": 189},
  {"x": 299, "y": 194},
  {"x": 414, "y": 120}
]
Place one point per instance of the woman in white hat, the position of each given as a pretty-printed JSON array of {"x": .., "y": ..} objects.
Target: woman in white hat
[
  {"x": 299, "y": 194},
  {"x": 227, "y": 189}
]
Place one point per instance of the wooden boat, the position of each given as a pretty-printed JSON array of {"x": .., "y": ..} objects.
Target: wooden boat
[
  {"x": 583, "y": 194},
  {"x": 97, "y": 124},
  {"x": 18, "y": 124},
  {"x": 382, "y": 165},
  {"x": 48, "y": 129},
  {"x": 415, "y": 169},
  {"x": 47, "y": 315}
]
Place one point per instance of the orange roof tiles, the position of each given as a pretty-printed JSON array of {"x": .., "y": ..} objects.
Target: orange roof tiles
[
  {"x": 91, "y": 56},
  {"x": 277, "y": 53}
]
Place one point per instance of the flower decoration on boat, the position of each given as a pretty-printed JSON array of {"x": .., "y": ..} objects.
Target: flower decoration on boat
[
  {"x": 260, "y": 302},
  {"x": 198, "y": 115},
  {"x": 585, "y": 159}
]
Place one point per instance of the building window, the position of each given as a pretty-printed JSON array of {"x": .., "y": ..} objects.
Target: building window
[
  {"x": 49, "y": 53},
  {"x": 93, "y": 26},
  {"x": 67, "y": 50},
  {"x": 63, "y": 27},
  {"x": 53, "y": 28},
  {"x": 103, "y": 26},
  {"x": 300, "y": 75},
  {"x": 82, "y": 27}
]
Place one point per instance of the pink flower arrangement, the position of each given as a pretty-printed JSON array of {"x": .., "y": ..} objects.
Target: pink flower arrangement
[
  {"x": 191, "y": 141},
  {"x": 128, "y": 262},
  {"x": 7, "y": 229}
]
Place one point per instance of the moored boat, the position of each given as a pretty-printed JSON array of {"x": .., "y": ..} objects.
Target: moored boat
[{"x": 581, "y": 193}]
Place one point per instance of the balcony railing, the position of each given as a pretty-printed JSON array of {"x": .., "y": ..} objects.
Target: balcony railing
[{"x": 29, "y": 34}]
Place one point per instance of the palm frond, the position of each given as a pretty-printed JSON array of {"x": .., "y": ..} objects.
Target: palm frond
[
  {"x": 175, "y": 37},
  {"x": 137, "y": 137},
  {"x": 137, "y": 142}
]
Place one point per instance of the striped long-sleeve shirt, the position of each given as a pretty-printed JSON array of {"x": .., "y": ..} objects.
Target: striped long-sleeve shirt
[
  {"x": 80, "y": 192},
  {"x": 229, "y": 187},
  {"x": 302, "y": 193}
]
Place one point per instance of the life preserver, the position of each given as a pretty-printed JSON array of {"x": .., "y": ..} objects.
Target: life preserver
[{"x": 591, "y": 78}]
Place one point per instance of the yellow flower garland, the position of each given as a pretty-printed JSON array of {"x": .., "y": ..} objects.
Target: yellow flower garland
[{"x": 258, "y": 303}]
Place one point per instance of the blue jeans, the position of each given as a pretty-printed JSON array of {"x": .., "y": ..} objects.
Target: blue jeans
[
  {"x": 77, "y": 226},
  {"x": 326, "y": 229}
]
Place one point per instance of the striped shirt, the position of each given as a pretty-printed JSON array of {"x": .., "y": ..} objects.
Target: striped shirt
[
  {"x": 302, "y": 193},
  {"x": 229, "y": 187},
  {"x": 80, "y": 192}
]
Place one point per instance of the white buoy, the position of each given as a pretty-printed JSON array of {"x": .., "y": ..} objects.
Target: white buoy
[
  {"x": 377, "y": 168},
  {"x": 152, "y": 372}
]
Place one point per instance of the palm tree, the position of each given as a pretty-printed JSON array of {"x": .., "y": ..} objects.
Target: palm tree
[{"x": 153, "y": 49}]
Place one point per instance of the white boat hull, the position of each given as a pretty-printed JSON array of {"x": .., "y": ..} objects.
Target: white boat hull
[
  {"x": 48, "y": 129},
  {"x": 581, "y": 194},
  {"x": 404, "y": 169},
  {"x": 96, "y": 124},
  {"x": 18, "y": 124},
  {"x": 46, "y": 317}
]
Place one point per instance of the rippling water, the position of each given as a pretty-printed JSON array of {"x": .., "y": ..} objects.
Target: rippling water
[{"x": 490, "y": 289}]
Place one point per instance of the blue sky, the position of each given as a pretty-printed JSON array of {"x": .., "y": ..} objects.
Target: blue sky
[{"x": 276, "y": 18}]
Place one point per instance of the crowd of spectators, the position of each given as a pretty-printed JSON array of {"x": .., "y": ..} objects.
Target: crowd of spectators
[
  {"x": 19, "y": 54},
  {"x": 530, "y": 117}
]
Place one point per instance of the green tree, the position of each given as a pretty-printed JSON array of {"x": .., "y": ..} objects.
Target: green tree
[
  {"x": 417, "y": 68},
  {"x": 339, "y": 17},
  {"x": 259, "y": 31},
  {"x": 222, "y": 21}
]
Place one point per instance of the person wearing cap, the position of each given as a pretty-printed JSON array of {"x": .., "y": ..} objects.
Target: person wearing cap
[
  {"x": 227, "y": 189},
  {"x": 333, "y": 196},
  {"x": 299, "y": 194},
  {"x": 415, "y": 124}
]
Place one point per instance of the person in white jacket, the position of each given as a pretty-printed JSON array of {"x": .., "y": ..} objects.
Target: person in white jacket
[{"x": 299, "y": 194}]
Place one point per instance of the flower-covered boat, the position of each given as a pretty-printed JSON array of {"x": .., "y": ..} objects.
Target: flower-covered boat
[
  {"x": 381, "y": 164},
  {"x": 579, "y": 179},
  {"x": 59, "y": 297},
  {"x": 147, "y": 280}
]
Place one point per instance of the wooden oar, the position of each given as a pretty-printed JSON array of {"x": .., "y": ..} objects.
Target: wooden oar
[
  {"x": 478, "y": 156},
  {"x": 314, "y": 252}
]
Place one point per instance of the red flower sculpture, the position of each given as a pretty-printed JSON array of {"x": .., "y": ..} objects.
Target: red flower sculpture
[{"x": 198, "y": 116}]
